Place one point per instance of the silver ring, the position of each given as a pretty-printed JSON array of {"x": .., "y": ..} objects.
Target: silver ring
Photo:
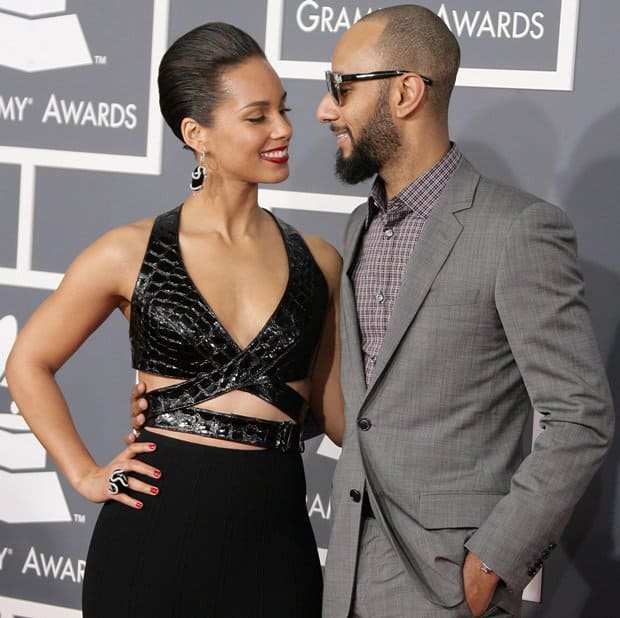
[
  {"x": 117, "y": 481},
  {"x": 135, "y": 432}
]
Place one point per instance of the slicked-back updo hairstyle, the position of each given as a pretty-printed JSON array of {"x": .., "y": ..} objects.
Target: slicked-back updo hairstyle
[{"x": 190, "y": 72}]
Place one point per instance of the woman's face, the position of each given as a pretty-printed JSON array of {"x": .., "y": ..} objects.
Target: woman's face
[{"x": 248, "y": 140}]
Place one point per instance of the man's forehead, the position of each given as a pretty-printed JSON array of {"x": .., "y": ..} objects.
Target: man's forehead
[{"x": 357, "y": 48}]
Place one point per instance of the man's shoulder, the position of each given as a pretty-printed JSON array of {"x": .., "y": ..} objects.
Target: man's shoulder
[
  {"x": 504, "y": 194},
  {"x": 491, "y": 189},
  {"x": 497, "y": 208},
  {"x": 497, "y": 199}
]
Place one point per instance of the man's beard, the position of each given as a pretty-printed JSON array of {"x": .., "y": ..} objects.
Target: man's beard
[{"x": 377, "y": 144}]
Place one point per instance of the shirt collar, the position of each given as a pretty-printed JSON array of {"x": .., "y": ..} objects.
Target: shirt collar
[{"x": 421, "y": 195}]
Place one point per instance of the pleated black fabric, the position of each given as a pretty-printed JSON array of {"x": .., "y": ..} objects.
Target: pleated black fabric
[{"x": 227, "y": 536}]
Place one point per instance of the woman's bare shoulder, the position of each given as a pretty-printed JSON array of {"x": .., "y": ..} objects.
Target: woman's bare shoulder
[
  {"x": 326, "y": 256},
  {"x": 126, "y": 243},
  {"x": 114, "y": 259}
]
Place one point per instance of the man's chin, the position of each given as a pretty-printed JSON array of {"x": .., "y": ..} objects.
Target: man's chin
[{"x": 352, "y": 172}]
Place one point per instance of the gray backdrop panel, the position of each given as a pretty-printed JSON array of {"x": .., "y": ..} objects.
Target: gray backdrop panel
[{"x": 559, "y": 144}]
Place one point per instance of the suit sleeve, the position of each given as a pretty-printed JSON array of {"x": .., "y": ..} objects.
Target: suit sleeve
[{"x": 539, "y": 299}]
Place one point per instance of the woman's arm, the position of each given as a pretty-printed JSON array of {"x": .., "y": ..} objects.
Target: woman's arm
[
  {"x": 99, "y": 281},
  {"x": 326, "y": 401}
]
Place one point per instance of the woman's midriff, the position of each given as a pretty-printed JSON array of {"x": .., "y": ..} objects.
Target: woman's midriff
[{"x": 234, "y": 402}]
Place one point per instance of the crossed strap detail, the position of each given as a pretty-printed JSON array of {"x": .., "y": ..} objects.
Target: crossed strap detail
[{"x": 237, "y": 374}]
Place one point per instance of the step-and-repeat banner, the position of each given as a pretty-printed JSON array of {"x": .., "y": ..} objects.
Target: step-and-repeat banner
[{"x": 83, "y": 149}]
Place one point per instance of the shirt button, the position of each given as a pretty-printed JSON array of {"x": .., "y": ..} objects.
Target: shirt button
[
  {"x": 364, "y": 424},
  {"x": 388, "y": 233},
  {"x": 373, "y": 359},
  {"x": 356, "y": 496},
  {"x": 380, "y": 298}
]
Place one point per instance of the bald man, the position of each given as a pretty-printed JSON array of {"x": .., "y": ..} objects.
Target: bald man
[{"x": 462, "y": 312}]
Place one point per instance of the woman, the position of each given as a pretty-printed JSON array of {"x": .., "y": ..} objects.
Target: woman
[{"x": 233, "y": 329}]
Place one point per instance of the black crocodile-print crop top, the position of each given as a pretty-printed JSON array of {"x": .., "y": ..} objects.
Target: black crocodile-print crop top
[{"x": 175, "y": 333}]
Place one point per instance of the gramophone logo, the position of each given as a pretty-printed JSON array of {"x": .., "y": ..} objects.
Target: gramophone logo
[
  {"x": 30, "y": 494},
  {"x": 38, "y": 35}
]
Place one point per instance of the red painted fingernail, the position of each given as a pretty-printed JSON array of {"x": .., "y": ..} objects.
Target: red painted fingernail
[
  {"x": 152, "y": 446},
  {"x": 154, "y": 491},
  {"x": 156, "y": 474},
  {"x": 139, "y": 505}
]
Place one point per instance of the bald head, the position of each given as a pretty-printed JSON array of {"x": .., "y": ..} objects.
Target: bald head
[{"x": 416, "y": 39}]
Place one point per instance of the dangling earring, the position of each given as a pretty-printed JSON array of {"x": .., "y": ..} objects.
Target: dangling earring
[{"x": 198, "y": 175}]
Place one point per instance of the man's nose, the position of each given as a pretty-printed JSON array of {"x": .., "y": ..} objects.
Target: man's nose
[{"x": 327, "y": 110}]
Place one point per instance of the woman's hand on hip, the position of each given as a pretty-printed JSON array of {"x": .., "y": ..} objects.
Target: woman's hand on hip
[
  {"x": 138, "y": 406},
  {"x": 111, "y": 482}
]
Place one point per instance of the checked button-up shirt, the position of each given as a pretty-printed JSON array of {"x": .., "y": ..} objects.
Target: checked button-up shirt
[{"x": 392, "y": 229}]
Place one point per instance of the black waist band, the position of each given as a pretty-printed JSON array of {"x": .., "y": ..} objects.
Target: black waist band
[{"x": 280, "y": 435}]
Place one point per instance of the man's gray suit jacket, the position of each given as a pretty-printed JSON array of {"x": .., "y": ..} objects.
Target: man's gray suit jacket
[{"x": 490, "y": 324}]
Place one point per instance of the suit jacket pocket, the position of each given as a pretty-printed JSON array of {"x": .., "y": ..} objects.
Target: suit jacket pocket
[
  {"x": 454, "y": 295},
  {"x": 459, "y": 509}
]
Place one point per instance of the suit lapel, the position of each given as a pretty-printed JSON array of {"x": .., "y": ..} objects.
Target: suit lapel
[
  {"x": 440, "y": 232},
  {"x": 350, "y": 336}
]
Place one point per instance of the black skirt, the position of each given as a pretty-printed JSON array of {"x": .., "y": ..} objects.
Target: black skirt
[{"x": 227, "y": 536}]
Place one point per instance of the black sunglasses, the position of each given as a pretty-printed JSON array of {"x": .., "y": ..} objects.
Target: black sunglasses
[{"x": 334, "y": 80}]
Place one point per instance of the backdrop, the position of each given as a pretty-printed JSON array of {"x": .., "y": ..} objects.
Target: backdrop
[{"x": 82, "y": 149}]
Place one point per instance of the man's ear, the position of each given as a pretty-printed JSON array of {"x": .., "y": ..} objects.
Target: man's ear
[
  {"x": 194, "y": 134},
  {"x": 410, "y": 95}
]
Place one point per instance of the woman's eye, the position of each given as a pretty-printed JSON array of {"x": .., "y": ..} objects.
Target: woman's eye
[
  {"x": 285, "y": 110},
  {"x": 257, "y": 119}
]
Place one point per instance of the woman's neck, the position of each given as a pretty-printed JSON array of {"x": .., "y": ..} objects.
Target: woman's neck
[{"x": 230, "y": 209}]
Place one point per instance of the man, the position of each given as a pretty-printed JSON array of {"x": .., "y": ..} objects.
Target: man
[{"x": 462, "y": 312}]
